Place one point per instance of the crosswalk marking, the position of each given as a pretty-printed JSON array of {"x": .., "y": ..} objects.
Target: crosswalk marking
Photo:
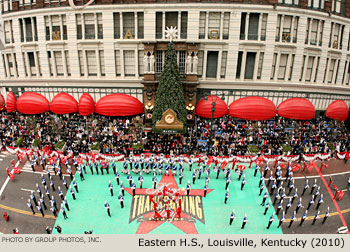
[{"x": 28, "y": 168}]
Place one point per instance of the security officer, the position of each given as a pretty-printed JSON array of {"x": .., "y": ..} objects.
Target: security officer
[
  {"x": 75, "y": 185},
  {"x": 72, "y": 193},
  {"x": 64, "y": 182},
  {"x": 42, "y": 202},
  {"x": 293, "y": 219},
  {"x": 140, "y": 180},
  {"x": 32, "y": 196},
  {"x": 299, "y": 205},
  {"x": 122, "y": 188},
  {"x": 121, "y": 200},
  {"x": 311, "y": 202},
  {"x": 314, "y": 185},
  {"x": 320, "y": 201},
  {"x": 303, "y": 217},
  {"x": 243, "y": 182},
  {"x": 316, "y": 217},
  {"x": 282, "y": 219},
  {"x": 279, "y": 207},
  {"x": 232, "y": 216},
  {"x": 60, "y": 193},
  {"x": 245, "y": 220},
  {"x": 30, "y": 205},
  {"x": 289, "y": 204},
  {"x": 63, "y": 211},
  {"x": 107, "y": 208},
  {"x": 267, "y": 206},
  {"x": 110, "y": 187},
  {"x": 295, "y": 195},
  {"x": 326, "y": 216},
  {"x": 188, "y": 188},
  {"x": 272, "y": 219},
  {"x": 264, "y": 198},
  {"x": 226, "y": 196},
  {"x": 228, "y": 181}
]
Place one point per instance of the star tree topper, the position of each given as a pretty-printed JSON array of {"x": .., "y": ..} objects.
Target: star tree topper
[{"x": 171, "y": 33}]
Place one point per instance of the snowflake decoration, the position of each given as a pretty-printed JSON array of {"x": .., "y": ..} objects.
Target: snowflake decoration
[{"x": 171, "y": 33}]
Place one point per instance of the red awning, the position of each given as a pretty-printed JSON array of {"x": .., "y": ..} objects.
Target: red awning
[
  {"x": 11, "y": 102},
  {"x": 338, "y": 110},
  {"x": 32, "y": 103},
  {"x": 204, "y": 108},
  {"x": 86, "y": 105},
  {"x": 2, "y": 102},
  {"x": 297, "y": 108},
  {"x": 253, "y": 108},
  {"x": 63, "y": 103},
  {"x": 119, "y": 105}
]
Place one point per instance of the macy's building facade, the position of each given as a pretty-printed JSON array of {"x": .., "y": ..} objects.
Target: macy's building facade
[{"x": 234, "y": 48}]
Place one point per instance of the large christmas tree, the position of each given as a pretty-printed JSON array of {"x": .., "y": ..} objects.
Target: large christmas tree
[{"x": 170, "y": 93}]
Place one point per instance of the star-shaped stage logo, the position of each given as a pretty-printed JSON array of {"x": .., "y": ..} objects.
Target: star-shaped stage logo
[{"x": 191, "y": 206}]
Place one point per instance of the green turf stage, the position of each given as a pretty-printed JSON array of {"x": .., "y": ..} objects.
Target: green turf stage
[{"x": 87, "y": 212}]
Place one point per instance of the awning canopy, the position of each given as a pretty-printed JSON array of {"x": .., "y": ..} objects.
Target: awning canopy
[
  {"x": 119, "y": 105},
  {"x": 297, "y": 108},
  {"x": 2, "y": 102},
  {"x": 11, "y": 102},
  {"x": 63, "y": 103},
  {"x": 204, "y": 108},
  {"x": 86, "y": 105},
  {"x": 254, "y": 108},
  {"x": 338, "y": 110},
  {"x": 32, "y": 103}
]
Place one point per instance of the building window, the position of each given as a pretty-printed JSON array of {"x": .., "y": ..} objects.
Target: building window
[
  {"x": 102, "y": 62},
  {"x": 338, "y": 6},
  {"x": 291, "y": 67},
  {"x": 99, "y": 26},
  {"x": 89, "y": 20},
  {"x": 331, "y": 71},
  {"x": 4, "y": 64},
  {"x": 184, "y": 18},
  {"x": 214, "y": 25},
  {"x": 159, "y": 25},
  {"x": 117, "y": 63},
  {"x": 31, "y": 61},
  {"x": 171, "y": 19},
  {"x": 273, "y": 66},
  {"x": 285, "y": 25},
  {"x": 200, "y": 63},
  {"x": 8, "y": 30},
  {"x": 28, "y": 29},
  {"x": 159, "y": 61},
  {"x": 129, "y": 62},
  {"x": 336, "y": 36},
  {"x": 239, "y": 65},
  {"x": 202, "y": 20},
  {"x": 250, "y": 26},
  {"x": 49, "y": 56},
  {"x": 316, "y": 4},
  {"x": 289, "y": 2},
  {"x": 346, "y": 73},
  {"x": 182, "y": 62},
  {"x": 81, "y": 63},
  {"x": 91, "y": 62},
  {"x": 316, "y": 70},
  {"x": 226, "y": 28},
  {"x": 310, "y": 64},
  {"x": 141, "y": 66},
  {"x": 128, "y": 25},
  {"x": 116, "y": 21},
  {"x": 249, "y": 65},
  {"x": 67, "y": 62},
  {"x": 59, "y": 63},
  {"x": 282, "y": 66},
  {"x": 56, "y": 27},
  {"x": 140, "y": 25},
  {"x": 212, "y": 64},
  {"x": 302, "y": 68},
  {"x": 260, "y": 65},
  {"x": 223, "y": 64},
  {"x": 314, "y": 31}
]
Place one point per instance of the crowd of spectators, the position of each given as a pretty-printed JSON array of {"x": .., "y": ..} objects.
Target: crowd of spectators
[{"x": 226, "y": 136}]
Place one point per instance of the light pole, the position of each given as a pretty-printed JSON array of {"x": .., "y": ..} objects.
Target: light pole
[{"x": 213, "y": 109}]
